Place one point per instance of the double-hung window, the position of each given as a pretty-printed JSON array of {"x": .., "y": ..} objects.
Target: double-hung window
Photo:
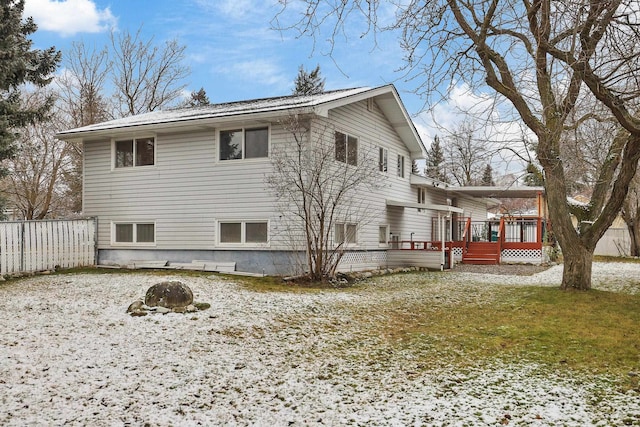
[
  {"x": 132, "y": 233},
  {"x": 346, "y": 234},
  {"x": 382, "y": 159},
  {"x": 135, "y": 152},
  {"x": 244, "y": 143},
  {"x": 346, "y": 148},
  {"x": 244, "y": 232}
]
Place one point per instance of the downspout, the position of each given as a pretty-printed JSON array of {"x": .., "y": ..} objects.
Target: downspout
[{"x": 442, "y": 251}]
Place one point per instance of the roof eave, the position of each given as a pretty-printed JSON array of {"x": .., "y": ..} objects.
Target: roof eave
[{"x": 180, "y": 123}]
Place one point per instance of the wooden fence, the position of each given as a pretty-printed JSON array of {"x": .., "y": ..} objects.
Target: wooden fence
[{"x": 27, "y": 246}]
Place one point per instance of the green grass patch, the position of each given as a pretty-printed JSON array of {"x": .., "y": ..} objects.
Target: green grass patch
[{"x": 590, "y": 331}]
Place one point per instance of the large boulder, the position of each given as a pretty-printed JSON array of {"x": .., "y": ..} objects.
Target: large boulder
[{"x": 169, "y": 294}]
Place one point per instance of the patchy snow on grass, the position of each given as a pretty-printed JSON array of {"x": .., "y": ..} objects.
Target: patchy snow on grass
[{"x": 71, "y": 355}]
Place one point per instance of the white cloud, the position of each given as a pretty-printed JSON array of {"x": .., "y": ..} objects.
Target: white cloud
[
  {"x": 260, "y": 71},
  {"x": 69, "y": 17},
  {"x": 499, "y": 126}
]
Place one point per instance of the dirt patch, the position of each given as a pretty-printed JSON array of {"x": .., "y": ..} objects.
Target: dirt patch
[{"x": 503, "y": 269}]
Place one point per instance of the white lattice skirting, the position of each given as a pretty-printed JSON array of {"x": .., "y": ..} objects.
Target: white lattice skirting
[
  {"x": 533, "y": 256},
  {"x": 358, "y": 261}
]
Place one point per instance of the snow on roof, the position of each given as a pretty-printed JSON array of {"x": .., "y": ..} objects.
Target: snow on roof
[{"x": 220, "y": 110}]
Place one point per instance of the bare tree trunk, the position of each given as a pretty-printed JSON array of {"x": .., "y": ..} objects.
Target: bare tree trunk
[
  {"x": 634, "y": 235},
  {"x": 578, "y": 261}
]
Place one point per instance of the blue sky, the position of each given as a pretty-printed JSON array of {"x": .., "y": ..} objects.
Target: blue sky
[
  {"x": 234, "y": 53},
  {"x": 231, "y": 49}
]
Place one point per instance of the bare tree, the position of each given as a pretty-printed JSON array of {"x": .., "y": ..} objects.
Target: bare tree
[
  {"x": 34, "y": 185},
  {"x": 146, "y": 77},
  {"x": 82, "y": 100},
  {"x": 466, "y": 155},
  {"x": 544, "y": 57},
  {"x": 319, "y": 195}
]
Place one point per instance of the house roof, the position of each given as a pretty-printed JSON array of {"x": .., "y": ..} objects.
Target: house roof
[{"x": 386, "y": 98}]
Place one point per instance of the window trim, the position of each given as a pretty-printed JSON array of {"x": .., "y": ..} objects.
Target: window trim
[
  {"x": 244, "y": 129},
  {"x": 344, "y": 226},
  {"x": 383, "y": 160},
  {"x": 386, "y": 242},
  {"x": 243, "y": 233},
  {"x": 133, "y": 138},
  {"x": 347, "y": 136},
  {"x": 134, "y": 235},
  {"x": 401, "y": 166}
]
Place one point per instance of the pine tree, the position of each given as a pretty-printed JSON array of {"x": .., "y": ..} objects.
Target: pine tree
[
  {"x": 487, "y": 176},
  {"x": 534, "y": 176},
  {"x": 198, "y": 98},
  {"x": 308, "y": 83},
  {"x": 435, "y": 161},
  {"x": 19, "y": 64}
]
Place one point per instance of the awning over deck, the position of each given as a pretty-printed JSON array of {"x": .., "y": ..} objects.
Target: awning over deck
[
  {"x": 509, "y": 191},
  {"x": 500, "y": 192},
  {"x": 439, "y": 208}
]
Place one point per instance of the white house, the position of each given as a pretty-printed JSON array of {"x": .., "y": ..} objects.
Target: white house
[{"x": 189, "y": 184}]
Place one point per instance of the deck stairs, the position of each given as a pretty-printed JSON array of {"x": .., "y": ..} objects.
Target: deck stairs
[{"x": 485, "y": 253}]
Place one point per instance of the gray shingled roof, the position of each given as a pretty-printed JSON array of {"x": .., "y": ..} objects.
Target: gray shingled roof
[{"x": 219, "y": 110}]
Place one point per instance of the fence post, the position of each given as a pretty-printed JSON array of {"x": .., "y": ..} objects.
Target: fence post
[
  {"x": 22, "y": 254},
  {"x": 95, "y": 240}
]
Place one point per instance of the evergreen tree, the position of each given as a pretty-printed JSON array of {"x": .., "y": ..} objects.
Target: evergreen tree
[
  {"x": 487, "y": 176},
  {"x": 435, "y": 161},
  {"x": 19, "y": 64},
  {"x": 534, "y": 176},
  {"x": 198, "y": 98},
  {"x": 308, "y": 83}
]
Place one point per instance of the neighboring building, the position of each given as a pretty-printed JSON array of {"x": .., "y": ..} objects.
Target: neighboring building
[{"x": 189, "y": 184}]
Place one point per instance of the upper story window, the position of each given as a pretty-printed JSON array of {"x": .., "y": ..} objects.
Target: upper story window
[
  {"x": 135, "y": 152},
  {"x": 400, "y": 166},
  {"x": 244, "y": 143},
  {"x": 346, "y": 148},
  {"x": 422, "y": 196},
  {"x": 383, "y": 163}
]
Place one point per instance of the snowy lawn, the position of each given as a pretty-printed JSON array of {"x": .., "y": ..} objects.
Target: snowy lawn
[{"x": 71, "y": 355}]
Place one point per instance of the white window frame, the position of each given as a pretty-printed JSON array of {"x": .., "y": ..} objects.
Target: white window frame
[
  {"x": 422, "y": 196},
  {"x": 384, "y": 244},
  {"x": 134, "y": 242},
  {"x": 383, "y": 159},
  {"x": 344, "y": 226},
  {"x": 243, "y": 233},
  {"x": 401, "y": 166},
  {"x": 133, "y": 138},
  {"x": 244, "y": 130},
  {"x": 347, "y": 136}
]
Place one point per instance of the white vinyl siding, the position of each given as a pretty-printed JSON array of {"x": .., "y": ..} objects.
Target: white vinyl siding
[{"x": 190, "y": 191}]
